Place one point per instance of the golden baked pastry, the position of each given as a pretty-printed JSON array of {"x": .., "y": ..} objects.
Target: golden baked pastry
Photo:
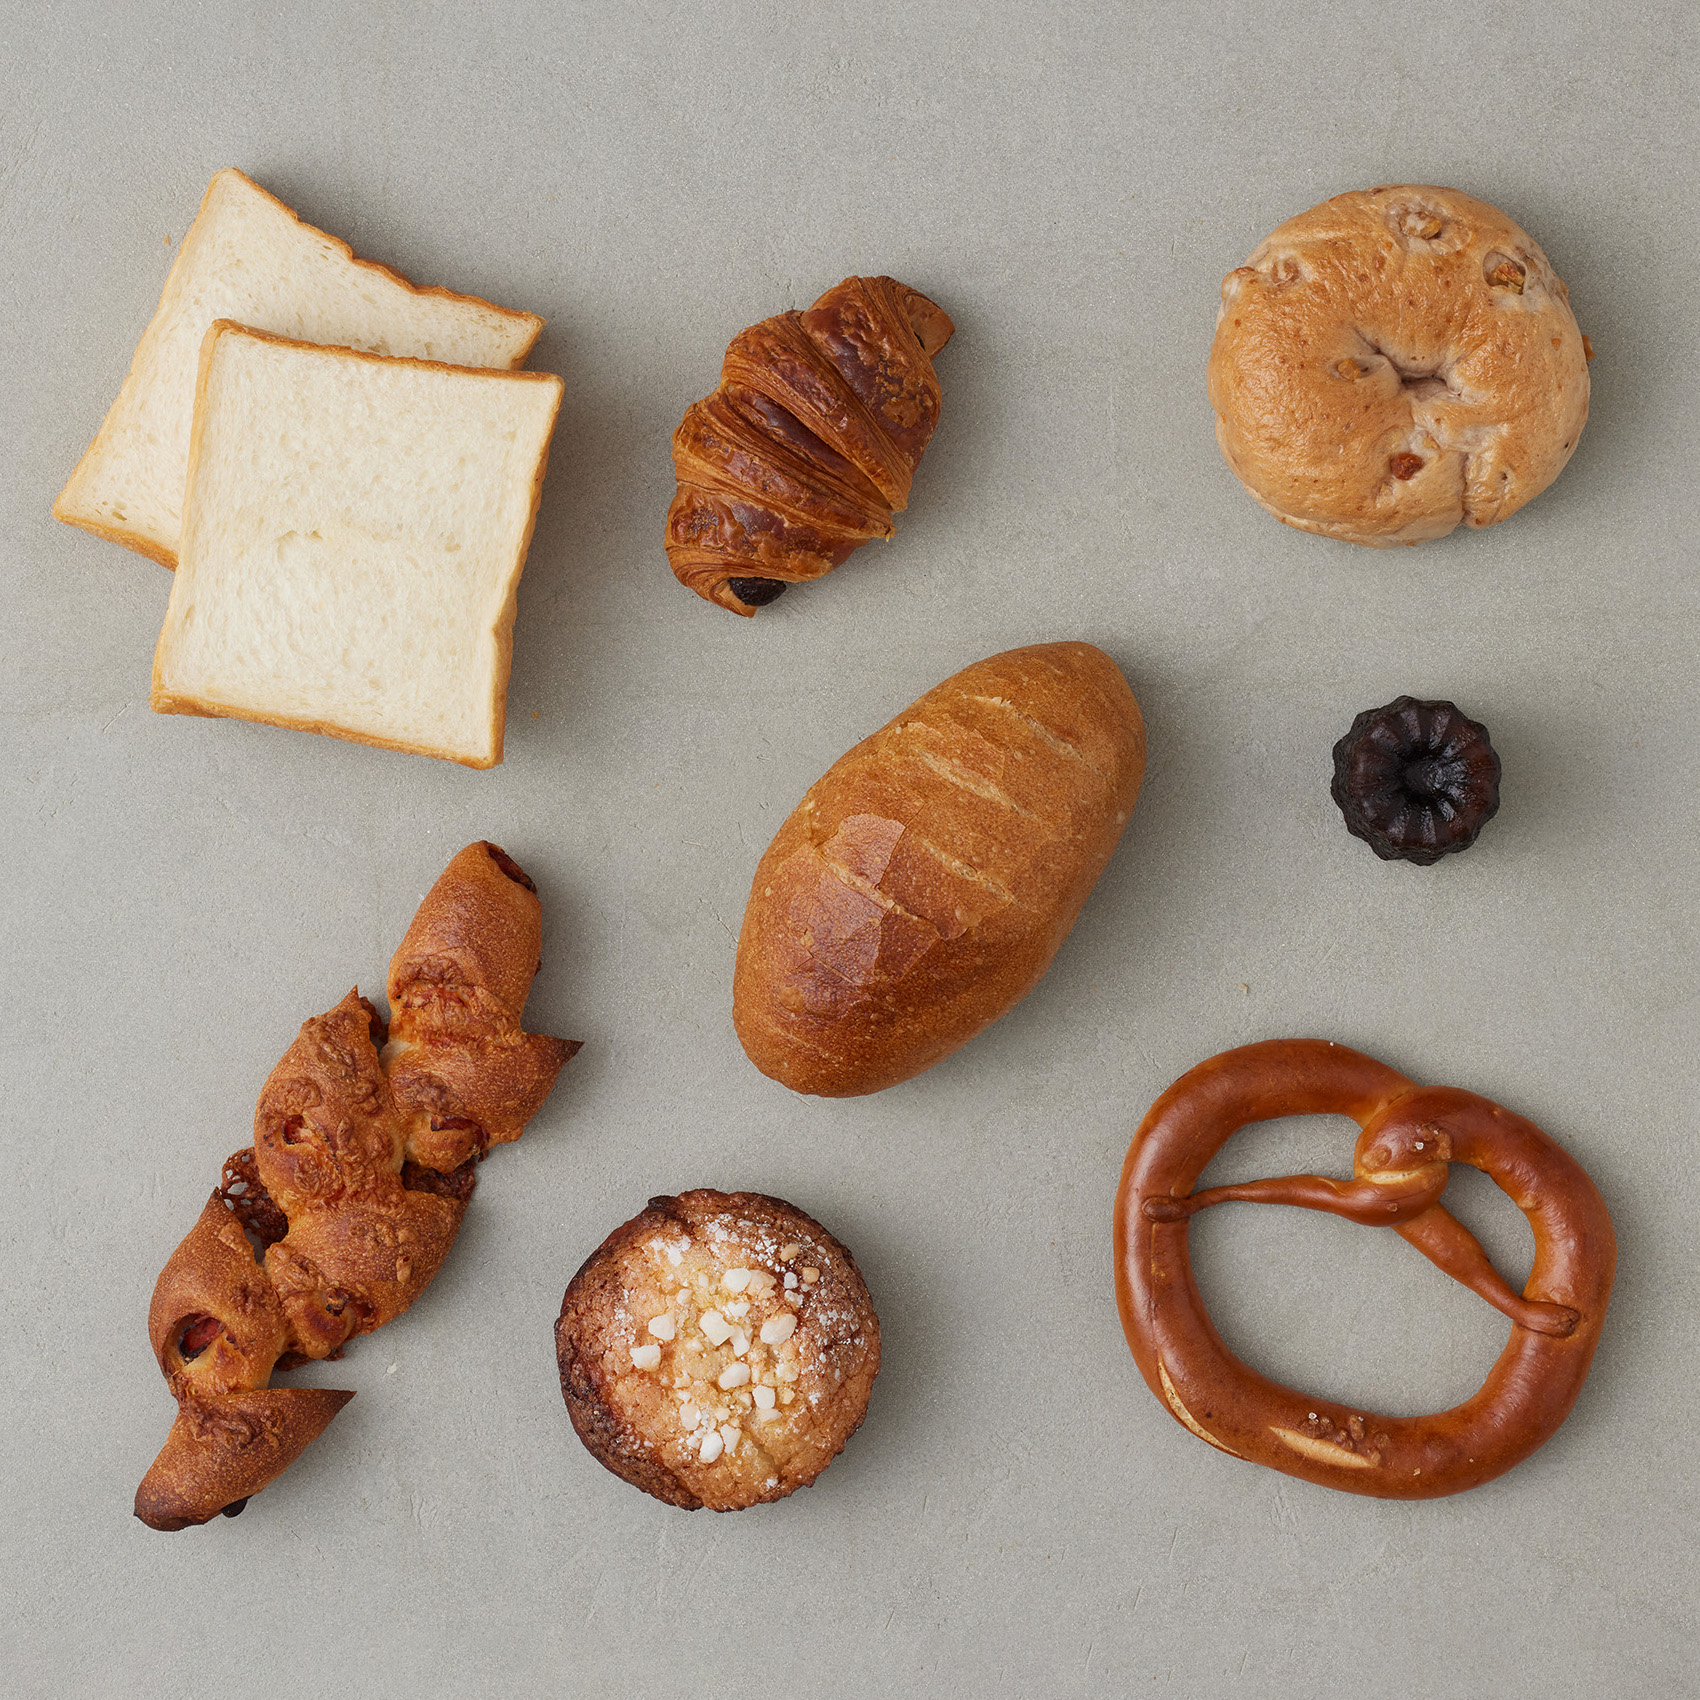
[
  {"x": 1394, "y": 362},
  {"x": 334, "y": 1221},
  {"x": 809, "y": 445},
  {"x": 718, "y": 1350},
  {"x": 922, "y": 886},
  {"x": 1410, "y": 1136}
]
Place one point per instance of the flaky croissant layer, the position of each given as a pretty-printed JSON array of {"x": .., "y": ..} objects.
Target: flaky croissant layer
[
  {"x": 364, "y": 1156},
  {"x": 809, "y": 445}
]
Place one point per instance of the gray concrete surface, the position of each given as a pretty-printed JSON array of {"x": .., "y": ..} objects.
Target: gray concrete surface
[{"x": 1018, "y": 1516}]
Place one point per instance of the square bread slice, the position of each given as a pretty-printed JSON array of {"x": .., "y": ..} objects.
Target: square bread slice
[
  {"x": 247, "y": 257},
  {"x": 353, "y": 536}
]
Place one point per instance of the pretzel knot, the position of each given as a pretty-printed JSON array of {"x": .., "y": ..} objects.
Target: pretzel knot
[{"x": 1410, "y": 1136}]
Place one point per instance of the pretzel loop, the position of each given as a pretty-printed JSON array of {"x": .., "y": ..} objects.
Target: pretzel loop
[{"x": 1409, "y": 1136}]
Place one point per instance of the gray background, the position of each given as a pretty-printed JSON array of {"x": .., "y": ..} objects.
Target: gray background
[{"x": 1018, "y": 1516}]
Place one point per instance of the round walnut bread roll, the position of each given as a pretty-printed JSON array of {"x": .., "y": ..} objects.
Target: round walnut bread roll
[
  {"x": 1394, "y": 362},
  {"x": 717, "y": 1350}
]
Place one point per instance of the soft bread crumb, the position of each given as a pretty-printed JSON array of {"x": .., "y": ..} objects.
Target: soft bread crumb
[
  {"x": 249, "y": 259},
  {"x": 355, "y": 532}
]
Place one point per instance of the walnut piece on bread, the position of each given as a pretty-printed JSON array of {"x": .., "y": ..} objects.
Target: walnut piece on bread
[{"x": 717, "y": 1350}]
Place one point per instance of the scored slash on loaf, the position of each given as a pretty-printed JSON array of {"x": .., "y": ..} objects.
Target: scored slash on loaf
[
  {"x": 353, "y": 539},
  {"x": 249, "y": 259}
]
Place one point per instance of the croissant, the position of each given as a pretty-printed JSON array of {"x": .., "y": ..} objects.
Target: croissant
[
  {"x": 334, "y": 1221},
  {"x": 809, "y": 445}
]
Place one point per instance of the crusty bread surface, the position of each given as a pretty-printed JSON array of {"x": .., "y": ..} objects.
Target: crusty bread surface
[
  {"x": 1395, "y": 362},
  {"x": 355, "y": 532},
  {"x": 249, "y": 259},
  {"x": 924, "y": 883}
]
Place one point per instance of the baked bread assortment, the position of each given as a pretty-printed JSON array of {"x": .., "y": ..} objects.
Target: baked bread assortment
[
  {"x": 356, "y": 530},
  {"x": 923, "y": 884},
  {"x": 809, "y": 445},
  {"x": 1395, "y": 362},
  {"x": 345, "y": 472},
  {"x": 249, "y": 259},
  {"x": 718, "y": 1350},
  {"x": 1410, "y": 1137},
  {"x": 333, "y": 1222}
]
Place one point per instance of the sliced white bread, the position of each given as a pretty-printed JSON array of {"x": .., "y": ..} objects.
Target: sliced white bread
[
  {"x": 247, "y": 257},
  {"x": 354, "y": 532}
]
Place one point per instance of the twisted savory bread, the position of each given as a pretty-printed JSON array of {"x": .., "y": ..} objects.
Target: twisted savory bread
[
  {"x": 335, "y": 1220},
  {"x": 809, "y": 445}
]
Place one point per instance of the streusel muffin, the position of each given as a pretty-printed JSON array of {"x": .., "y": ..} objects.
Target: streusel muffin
[{"x": 718, "y": 1350}]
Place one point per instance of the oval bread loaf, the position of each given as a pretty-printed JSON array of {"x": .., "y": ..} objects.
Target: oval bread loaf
[{"x": 921, "y": 888}]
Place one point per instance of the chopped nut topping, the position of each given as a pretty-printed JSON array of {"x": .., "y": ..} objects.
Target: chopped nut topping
[
  {"x": 790, "y": 1281},
  {"x": 765, "y": 1398},
  {"x": 1503, "y": 272},
  {"x": 810, "y": 1276},
  {"x": 712, "y": 1446},
  {"x": 662, "y": 1326},
  {"x": 735, "y": 1280},
  {"x": 688, "y": 1415},
  {"x": 741, "y": 1341},
  {"x": 731, "y": 1434},
  {"x": 738, "y": 1308},
  {"x": 646, "y": 1357},
  {"x": 787, "y": 1252},
  {"x": 716, "y": 1327},
  {"x": 735, "y": 1375},
  {"x": 778, "y": 1329}
]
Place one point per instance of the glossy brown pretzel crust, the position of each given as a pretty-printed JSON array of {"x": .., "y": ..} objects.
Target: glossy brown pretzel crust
[
  {"x": 809, "y": 445},
  {"x": 337, "y": 1218},
  {"x": 1409, "y": 1136}
]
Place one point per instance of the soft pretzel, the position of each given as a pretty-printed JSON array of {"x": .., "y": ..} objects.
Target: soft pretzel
[
  {"x": 335, "y": 1220},
  {"x": 1410, "y": 1134},
  {"x": 1395, "y": 361},
  {"x": 809, "y": 445}
]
